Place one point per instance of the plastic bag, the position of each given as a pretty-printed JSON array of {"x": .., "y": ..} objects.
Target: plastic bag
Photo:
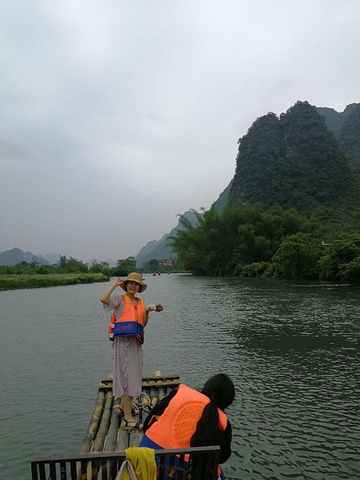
[{"x": 126, "y": 472}]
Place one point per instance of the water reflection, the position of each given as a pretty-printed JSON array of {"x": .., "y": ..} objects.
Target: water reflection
[{"x": 300, "y": 386}]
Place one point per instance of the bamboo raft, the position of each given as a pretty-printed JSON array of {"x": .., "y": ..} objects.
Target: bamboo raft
[
  {"x": 104, "y": 433},
  {"x": 102, "y": 451}
]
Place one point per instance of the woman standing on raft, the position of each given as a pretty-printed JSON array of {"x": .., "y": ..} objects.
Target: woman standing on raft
[{"x": 128, "y": 320}]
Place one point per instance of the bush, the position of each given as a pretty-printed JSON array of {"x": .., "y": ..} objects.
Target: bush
[
  {"x": 297, "y": 257},
  {"x": 12, "y": 282},
  {"x": 341, "y": 261},
  {"x": 258, "y": 269}
]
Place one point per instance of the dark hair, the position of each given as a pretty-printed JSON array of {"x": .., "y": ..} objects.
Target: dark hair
[{"x": 221, "y": 391}]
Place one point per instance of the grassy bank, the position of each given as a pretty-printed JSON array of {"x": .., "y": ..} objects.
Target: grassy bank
[{"x": 12, "y": 282}]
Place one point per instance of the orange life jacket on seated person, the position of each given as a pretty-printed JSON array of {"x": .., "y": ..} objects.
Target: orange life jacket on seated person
[
  {"x": 175, "y": 427},
  {"x": 131, "y": 322}
]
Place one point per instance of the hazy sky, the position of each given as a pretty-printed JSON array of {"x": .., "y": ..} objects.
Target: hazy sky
[{"x": 117, "y": 115}]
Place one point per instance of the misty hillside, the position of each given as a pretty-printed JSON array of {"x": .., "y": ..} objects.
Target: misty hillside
[
  {"x": 160, "y": 249},
  {"x": 294, "y": 160},
  {"x": 334, "y": 120},
  {"x": 15, "y": 256},
  {"x": 308, "y": 157},
  {"x": 346, "y": 128}
]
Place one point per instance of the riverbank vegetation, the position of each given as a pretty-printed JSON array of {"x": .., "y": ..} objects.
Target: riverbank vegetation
[
  {"x": 246, "y": 240},
  {"x": 12, "y": 282},
  {"x": 69, "y": 271}
]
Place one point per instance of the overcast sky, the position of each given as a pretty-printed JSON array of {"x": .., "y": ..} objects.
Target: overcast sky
[{"x": 117, "y": 115}]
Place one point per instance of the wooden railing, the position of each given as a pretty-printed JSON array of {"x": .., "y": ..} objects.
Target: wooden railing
[{"x": 197, "y": 463}]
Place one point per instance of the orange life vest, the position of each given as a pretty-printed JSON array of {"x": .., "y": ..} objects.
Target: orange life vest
[
  {"x": 175, "y": 427},
  {"x": 131, "y": 322}
]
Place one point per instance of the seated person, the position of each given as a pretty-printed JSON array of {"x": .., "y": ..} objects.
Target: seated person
[{"x": 189, "y": 418}]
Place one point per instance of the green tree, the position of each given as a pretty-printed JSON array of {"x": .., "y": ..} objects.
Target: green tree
[
  {"x": 124, "y": 267},
  {"x": 261, "y": 232},
  {"x": 297, "y": 257},
  {"x": 71, "y": 265},
  {"x": 223, "y": 243},
  {"x": 100, "y": 267},
  {"x": 341, "y": 261},
  {"x": 350, "y": 271},
  {"x": 154, "y": 264}
]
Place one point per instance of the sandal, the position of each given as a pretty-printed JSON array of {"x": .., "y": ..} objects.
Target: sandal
[
  {"x": 134, "y": 411},
  {"x": 132, "y": 424}
]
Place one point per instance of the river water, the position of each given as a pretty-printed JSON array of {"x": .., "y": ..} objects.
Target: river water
[{"x": 292, "y": 351}]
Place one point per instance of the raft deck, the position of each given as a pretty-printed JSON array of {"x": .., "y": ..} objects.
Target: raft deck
[
  {"x": 102, "y": 451},
  {"x": 104, "y": 433}
]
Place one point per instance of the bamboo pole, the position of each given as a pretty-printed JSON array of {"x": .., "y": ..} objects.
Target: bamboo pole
[
  {"x": 94, "y": 423},
  {"x": 104, "y": 424},
  {"x": 110, "y": 443}
]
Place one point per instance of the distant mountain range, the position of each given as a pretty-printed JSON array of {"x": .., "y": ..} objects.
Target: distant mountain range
[
  {"x": 157, "y": 249},
  {"x": 15, "y": 256}
]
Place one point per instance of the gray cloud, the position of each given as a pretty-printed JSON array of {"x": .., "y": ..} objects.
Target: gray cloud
[{"x": 116, "y": 116}]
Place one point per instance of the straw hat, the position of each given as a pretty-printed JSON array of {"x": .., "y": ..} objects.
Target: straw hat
[{"x": 134, "y": 277}]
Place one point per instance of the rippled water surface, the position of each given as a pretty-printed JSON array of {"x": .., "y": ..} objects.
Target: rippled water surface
[{"x": 292, "y": 350}]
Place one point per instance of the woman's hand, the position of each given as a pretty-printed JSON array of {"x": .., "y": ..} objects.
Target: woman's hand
[
  {"x": 154, "y": 308},
  {"x": 105, "y": 297}
]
